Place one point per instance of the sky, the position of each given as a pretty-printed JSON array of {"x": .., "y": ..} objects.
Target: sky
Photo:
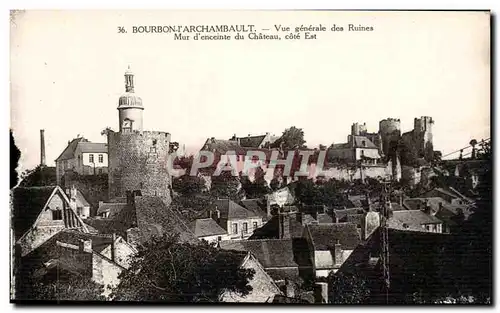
[{"x": 67, "y": 67}]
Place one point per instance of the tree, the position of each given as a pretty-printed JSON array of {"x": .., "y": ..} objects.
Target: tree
[
  {"x": 225, "y": 185},
  {"x": 256, "y": 189},
  {"x": 166, "y": 270},
  {"x": 71, "y": 287},
  {"x": 188, "y": 185},
  {"x": 292, "y": 138},
  {"x": 39, "y": 176},
  {"x": 348, "y": 288}
]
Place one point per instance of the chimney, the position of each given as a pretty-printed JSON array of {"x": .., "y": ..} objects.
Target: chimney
[
  {"x": 42, "y": 147},
  {"x": 284, "y": 225},
  {"x": 85, "y": 245},
  {"x": 321, "y": 292},
  {"x": 113, "y": 239},
  {"x": 338, "y": 253}
]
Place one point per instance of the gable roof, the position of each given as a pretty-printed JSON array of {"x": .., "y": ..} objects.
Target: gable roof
[
  {"x": 341, "y": 215},
  {"x": 231, "y": 210},
  {"x": 84, "y": 146},
  {"x": 223, "y": 146},
  {"x": 270, "y": 230},
  {"x": 206, "y": 227},
  {"x": 80, "y": 199},
  {"x": 325, "y": 236},
  {"x": 256, "y": 206},
  {"x": 271, "y": 253},
  {"x": 112, "y": 208},
  {"x": 358, "y": 142},
  {"x": 93, "y": 147},
  {"x": 414, "y": 219},
  {"x": 251, "y": 141},
  {"x": 27, "y": 203},
  {"x": 153, "y": 218}
]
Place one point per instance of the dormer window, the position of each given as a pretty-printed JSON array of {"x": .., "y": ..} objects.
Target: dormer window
[{"x": 363, "y": 143}]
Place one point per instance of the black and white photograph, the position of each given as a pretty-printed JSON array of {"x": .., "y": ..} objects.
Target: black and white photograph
[{"x": 313, "y": 157}]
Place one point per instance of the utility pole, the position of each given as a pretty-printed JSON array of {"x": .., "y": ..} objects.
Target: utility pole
[{"x": 384, "y": 255}]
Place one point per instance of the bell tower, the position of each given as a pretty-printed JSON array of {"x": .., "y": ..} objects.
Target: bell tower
[{"x": 130, "y": 107}]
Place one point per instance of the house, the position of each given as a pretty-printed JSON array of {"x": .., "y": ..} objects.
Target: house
[
  {"x": 258, "y": 142},
  {"x": 330, "y": 245},
  {"x": 110, "y": 209},
  {"x": 98, "y": 257},
  {"x": 38, "y": 213},
  {"x": 450, "y": 214},
  {"x": 208, "y": 229},
  {"x": 286, "y": 261},
  {"x": 263, "y": 286},
  {"x": 449, "y": 194},
  {"x": 410, "y": 269},
  {"x": 415, "y": 220},
  {"x": 144, "y": 217},
  {"x": 240, "y": 223},
  {"x": 83, "y": 157},
  {"x": 82, "y": 205},
  {"x": 357, "y": 148}
]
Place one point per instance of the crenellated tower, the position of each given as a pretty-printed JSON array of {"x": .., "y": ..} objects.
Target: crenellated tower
[{"x": 138, "y": 160}]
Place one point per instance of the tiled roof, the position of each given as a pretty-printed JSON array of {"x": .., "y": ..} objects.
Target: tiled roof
[
  {"x": 356, "y": 219},
  {"x": 324, "y": 218},
  {"x": 255, "y": 205},
  {"x": 153, "y": 218},
  {"x": 81, "y": 199},
  {"x": 206, "y": 227},
  {"x": 85, "y": 147},
  {"x": 325, "y": 236},
  {"x": 270, "y": 230},
  {"x": 27, "y": 204},
  {"x": 223, "y": 146},
  {"x": 93, "y": 147},
  {"x": 251, "y": 141},
  {"x": 414, "y": 219},
  {"x": 358, "y": 142},
  {"x": 270, "y": 252},
  {"x": 112, "y": 208},
  {"x": 231, "y": 210},
  {"x": 69, "y": 151},
  {"x": 341, "y": 215},
  {"x": 397, "y": 207}
]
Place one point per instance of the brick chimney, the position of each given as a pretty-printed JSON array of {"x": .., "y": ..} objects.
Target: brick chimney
[
  {"x": 42, "y": 147},
  {"x": 284, "y": 225},
  {"x": 338, "y": 252}
]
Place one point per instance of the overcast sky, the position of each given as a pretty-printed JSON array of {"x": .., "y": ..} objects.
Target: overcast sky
[{"x": 67, "y": 75}]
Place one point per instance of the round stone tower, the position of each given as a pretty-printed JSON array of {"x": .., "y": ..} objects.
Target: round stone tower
[
  {"x": 137, "y": 159},
  {"x": 130, "y": 106},
  {"x": 389, "y": 130}
]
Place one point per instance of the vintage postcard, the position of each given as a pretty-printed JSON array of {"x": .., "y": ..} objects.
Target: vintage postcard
[{"x": 301, "y": 157}]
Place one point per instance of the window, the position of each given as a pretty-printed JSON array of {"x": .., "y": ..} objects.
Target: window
[
  {"x": 101, "y": 158},
  {"x": 91, "y": 158},
  {"x": 219, "y": 238},
  {"x": 245, "y": 228},
  {"x": 363, "y": 143},
  {"x": 255, "y": 225},
  {"x": 152, "y": 149},
  {"x": 57, "y": 214},
  {"x": 100, "y": 171},
  {"x": 234, "y": 228},
  {"x": 79, "y": 211}
]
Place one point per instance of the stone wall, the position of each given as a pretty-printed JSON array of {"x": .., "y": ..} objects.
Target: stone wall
[{"x": 138, "y": 161}]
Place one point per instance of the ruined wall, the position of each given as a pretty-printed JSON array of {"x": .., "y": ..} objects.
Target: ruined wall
[{"x": 138, "y": 161}]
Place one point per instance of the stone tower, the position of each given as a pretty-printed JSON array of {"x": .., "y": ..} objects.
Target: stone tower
[
  {"x": 390, "y": 131},
  {"x": 422, "y": 128},
  {"x": 138, "y": 160},
  {"x": 130, "y": 106}
]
